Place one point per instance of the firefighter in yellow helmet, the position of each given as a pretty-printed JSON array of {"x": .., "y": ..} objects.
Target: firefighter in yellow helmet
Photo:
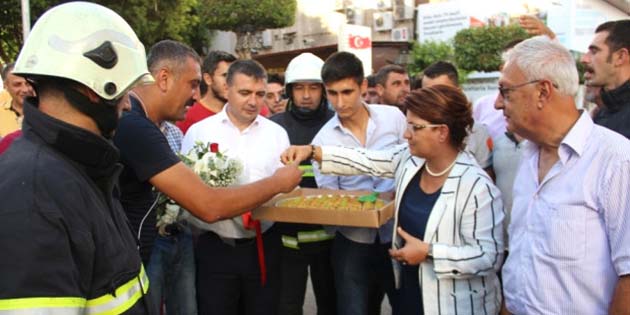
[{"x": 65, "y": 239}]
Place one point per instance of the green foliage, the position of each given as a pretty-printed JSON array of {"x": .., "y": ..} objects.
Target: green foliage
[
  {"x": 10, "y": 30},
  {"x": 154, "y": 20},
  {"x": 426, "y": 53},
  {"x": 244, "y": 16},
  {"x": 11, "y": 38},
  {"x": 479, "y": 49}
]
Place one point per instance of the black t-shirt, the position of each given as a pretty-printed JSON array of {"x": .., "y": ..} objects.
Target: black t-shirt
[{"x": 145, "y": 153}]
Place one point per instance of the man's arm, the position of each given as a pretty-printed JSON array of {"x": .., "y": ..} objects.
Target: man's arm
[
  {"x": 534, "y": 26},
  {"x": 620, "y": 304},
  {"x": 213, "y": 204}
]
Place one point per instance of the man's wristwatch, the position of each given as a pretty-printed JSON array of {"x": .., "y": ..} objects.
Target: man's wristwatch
[
  {"x": 430, "y": 252},
  {"x": 312, "y": 151}
]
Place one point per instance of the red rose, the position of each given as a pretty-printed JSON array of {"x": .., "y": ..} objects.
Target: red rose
[{"x": 214, "y": 147}]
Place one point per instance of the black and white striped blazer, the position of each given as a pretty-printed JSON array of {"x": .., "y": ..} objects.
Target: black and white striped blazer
[{"x": 465, "y": 227}]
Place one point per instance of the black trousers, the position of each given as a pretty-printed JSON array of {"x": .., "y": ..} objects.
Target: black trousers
[
  {"x": 228, "y": 276},
  {"x": 295, "y": 268}
]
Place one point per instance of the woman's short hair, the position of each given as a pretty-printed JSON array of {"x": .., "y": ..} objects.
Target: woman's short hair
[{"x": 442, "y": 104}]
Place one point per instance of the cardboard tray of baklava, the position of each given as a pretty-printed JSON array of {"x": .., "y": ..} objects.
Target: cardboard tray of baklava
[{"x": 328, "y": 207}]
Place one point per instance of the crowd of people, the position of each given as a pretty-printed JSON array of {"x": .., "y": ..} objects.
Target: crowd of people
[{"x": 517, "y": 204}]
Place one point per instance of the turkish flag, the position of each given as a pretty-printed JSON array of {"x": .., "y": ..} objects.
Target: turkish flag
[{"x": 359, "y": 42}]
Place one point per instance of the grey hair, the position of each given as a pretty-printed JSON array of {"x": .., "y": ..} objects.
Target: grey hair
[{"x": 542, "y": 58}]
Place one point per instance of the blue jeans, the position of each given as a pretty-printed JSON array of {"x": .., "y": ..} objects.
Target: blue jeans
[
  {"x": 363, "y": 274},
  {"x": 171, "y": 272}
]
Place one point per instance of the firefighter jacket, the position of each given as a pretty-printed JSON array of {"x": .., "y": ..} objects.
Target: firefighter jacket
[{"x": 66, "y": 245}]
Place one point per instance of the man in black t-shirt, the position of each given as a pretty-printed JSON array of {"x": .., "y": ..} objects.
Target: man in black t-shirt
[{"x": 150, "y": 162}]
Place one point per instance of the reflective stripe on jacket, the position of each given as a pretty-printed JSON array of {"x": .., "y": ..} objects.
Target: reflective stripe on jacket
[{"x": 124, "y": 298}]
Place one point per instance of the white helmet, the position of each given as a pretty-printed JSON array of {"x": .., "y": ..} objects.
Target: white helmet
[
  {"x": 87, "y": 43},
  {"x": 306, "y": 67}
]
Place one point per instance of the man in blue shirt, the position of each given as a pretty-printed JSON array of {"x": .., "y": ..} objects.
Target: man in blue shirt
[{"x": 361, "y": 264}]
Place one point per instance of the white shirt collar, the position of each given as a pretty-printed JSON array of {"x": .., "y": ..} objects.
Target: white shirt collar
[{"x": 223, "y": 116}]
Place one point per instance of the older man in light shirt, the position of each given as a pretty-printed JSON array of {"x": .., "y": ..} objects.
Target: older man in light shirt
[{"x": 570, "y": 226}]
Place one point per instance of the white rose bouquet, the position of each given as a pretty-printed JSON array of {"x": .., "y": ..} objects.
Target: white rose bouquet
[{"x": 215, "y": 168}]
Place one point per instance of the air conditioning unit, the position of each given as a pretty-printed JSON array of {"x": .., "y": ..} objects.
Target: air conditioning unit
[
  {"x": 354, "y": 16},
  {"x": 383, "y": 21},
  {"x": 400, "y": 34},
  {"x": 383, "y": 4},
  {"x": 403, "y": 9}
]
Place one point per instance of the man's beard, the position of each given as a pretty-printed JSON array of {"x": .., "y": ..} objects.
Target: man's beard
[{"x": 217, "y": 94}]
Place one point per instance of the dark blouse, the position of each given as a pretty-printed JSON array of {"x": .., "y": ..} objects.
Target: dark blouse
[{"x": 415, "y": 208}]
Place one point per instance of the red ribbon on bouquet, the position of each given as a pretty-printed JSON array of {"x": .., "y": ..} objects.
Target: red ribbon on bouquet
[{"x": 249, "y": 224}]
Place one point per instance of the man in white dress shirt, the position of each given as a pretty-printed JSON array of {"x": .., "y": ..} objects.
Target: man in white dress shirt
[
  {"x": 228, "y": 268},
  {"x": 570, "y": 226}
]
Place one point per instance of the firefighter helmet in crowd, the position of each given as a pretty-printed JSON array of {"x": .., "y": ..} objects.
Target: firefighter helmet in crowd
[
  {"x": 87, "y": 43},
  {"x": 304, "y": 68}
]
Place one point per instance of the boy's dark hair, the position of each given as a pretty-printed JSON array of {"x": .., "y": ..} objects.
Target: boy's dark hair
[
  {"x": 371, "y": 79},
  {"x": 383, "y": 73},
  {"x": 210, "y": 64},
  {"x": 275, "y": 78},
  {"x": 442, "y": 68},
  {"x": 415, "y": 82},
  {"x": 342, "y": 65},
  {"x": 618, "y": 37},
  {"x": 249, "y": 67}
]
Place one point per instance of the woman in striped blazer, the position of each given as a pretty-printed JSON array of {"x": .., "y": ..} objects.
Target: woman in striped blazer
[{"x": 449, "y": 238}]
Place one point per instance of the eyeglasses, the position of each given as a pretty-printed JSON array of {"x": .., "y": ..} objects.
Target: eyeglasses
[
  {"x": 504, "y": 91},
  {"x": 416, "y": 127}
]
